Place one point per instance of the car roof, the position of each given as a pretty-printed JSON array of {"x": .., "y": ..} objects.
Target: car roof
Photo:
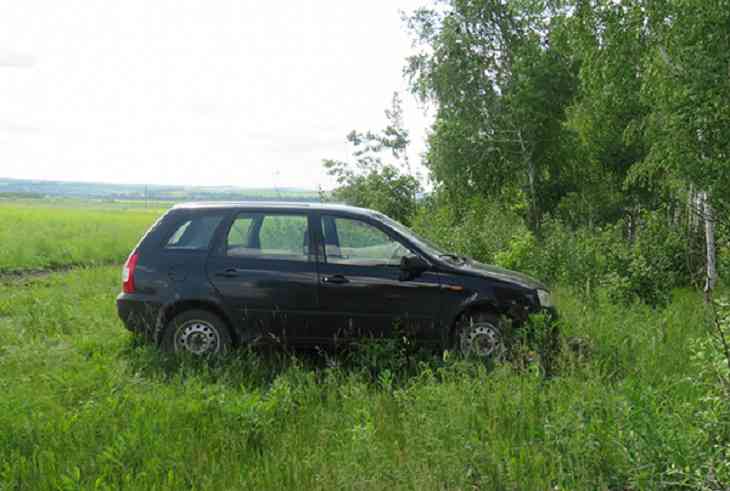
[{"x": 276, "y": 205}]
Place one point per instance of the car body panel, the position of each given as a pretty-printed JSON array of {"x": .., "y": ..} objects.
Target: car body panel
[
  {"x": 292, "y": 301},
  {"x": 373, "y": 300},
  {"x": 490, "y": 271},
  {"x": 276, "y": 299},
  {"x": 273, "y": 299},
  {"x": 377, "y": 301}
]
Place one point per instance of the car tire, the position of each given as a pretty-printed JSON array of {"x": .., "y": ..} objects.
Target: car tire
[
  {"x": 480, "y": 335},
  {"x": 197, "y": 332}
]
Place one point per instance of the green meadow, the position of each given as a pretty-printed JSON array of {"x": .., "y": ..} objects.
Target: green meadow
[
  {"x": 56, "y": 235},
  {"x": 86, "y": 405}
]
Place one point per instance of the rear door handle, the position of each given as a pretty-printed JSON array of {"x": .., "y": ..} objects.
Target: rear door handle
[
  {"x": 336, "y": 279},
  {"x": 228, "y": 273},
  {"x": 176, "y": 273}
]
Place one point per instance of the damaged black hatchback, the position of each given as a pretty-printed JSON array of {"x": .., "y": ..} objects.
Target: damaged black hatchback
[{"x": 210, "y": 276}]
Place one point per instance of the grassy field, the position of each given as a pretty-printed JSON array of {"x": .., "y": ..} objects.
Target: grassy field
[
  {"x": 86, "y": 405},
  {"x": 38, "y": 235}
]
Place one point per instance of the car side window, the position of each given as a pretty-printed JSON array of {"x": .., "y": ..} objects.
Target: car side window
[
  {"x": 269, "y": 236},
  {"x": 238, "y": 235},
  {"x": 194, "y": 234},
  {"x": 355, "y": 242}
]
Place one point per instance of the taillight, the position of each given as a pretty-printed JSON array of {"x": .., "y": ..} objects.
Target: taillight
[{"x": 128, "y": 273}]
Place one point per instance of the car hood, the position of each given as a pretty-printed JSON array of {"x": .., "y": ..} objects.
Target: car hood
[{"x": 495, "y": 272}]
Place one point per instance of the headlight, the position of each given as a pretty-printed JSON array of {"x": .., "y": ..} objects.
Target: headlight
[{"x": 544, "y": 297}]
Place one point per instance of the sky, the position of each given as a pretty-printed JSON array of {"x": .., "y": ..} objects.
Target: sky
[{"x": 197, "y": 92}]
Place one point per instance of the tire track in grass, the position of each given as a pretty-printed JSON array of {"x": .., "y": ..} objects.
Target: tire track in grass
[{"x": 26, "y": 275}]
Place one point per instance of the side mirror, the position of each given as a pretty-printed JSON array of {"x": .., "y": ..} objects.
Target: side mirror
[{"x": 412, "y": 266}]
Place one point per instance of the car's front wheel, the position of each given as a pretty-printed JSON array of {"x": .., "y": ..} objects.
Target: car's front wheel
[
  {"x": 480, "y": 335},
  {"x": 197, "y": 332}
]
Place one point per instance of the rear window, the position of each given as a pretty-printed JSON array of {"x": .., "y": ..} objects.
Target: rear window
[
  {"x": 269, "y": 236},
  {"x": 194, "y": 234}
]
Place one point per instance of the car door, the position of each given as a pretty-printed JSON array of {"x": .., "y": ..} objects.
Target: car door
[
  {"x": 266, "y": 273},
  {"x": 362, "y": 291}
]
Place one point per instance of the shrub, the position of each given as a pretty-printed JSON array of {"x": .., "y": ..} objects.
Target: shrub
[
  {"x": 711, "y": 361},
  {"x": 563, "y": 256},
  {"x": 477, "y": 228},
  {"x": 645, "y": 269}
]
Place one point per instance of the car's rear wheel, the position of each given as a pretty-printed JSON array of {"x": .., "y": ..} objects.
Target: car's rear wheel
[
  {"x": 480, "y": 335},
  {"x": 197, "y": 332}
]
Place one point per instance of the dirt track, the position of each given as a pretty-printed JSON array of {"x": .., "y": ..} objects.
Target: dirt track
[{"x": 22, "y": 275}]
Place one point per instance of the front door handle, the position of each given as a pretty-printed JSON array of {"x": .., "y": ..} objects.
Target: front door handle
[
  {"x": 336, "y": 279},
  {"x": 228, "y": 273}
]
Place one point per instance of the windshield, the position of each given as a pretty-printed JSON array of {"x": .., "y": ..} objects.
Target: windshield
[{"x": 425, "y": 244}]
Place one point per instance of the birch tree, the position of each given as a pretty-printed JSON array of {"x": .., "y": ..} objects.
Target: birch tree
[
  {"x": 500, "y": 84},
  {"x": 688, "y": 87}
]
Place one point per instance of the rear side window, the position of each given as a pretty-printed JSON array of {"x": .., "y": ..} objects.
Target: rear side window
[
  {"x": 194, "y": 234},
  {"x": 269, "y": 236}
]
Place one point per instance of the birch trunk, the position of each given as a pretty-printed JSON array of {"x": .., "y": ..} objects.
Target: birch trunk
[
  {"x": 711, "y": 271},
  {"x": 532, "y": 213},
  {"x": 533, "y": 198},
  {"x": 691, "y": 211}
]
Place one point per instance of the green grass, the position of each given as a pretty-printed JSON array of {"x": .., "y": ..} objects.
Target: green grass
[
  {"x": 38, "y": 236},
  {"x": 85, "y": 405}
]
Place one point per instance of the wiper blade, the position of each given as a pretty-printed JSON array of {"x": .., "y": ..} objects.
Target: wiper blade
[{"x": 455, "y": 257}]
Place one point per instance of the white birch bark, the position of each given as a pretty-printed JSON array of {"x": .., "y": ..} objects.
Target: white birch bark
[
  {"x": 527, "y": 157},
  {"x": 691, "y": 210},
  {"x": 711, "y": 259}
]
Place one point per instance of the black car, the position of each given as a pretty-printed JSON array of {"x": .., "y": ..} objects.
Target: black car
[{"x": 210, "y": 276}]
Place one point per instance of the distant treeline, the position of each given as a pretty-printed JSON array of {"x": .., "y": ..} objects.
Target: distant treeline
[
  {"x": 22, "y": 188},
  {"x": 20, "y": 195}
]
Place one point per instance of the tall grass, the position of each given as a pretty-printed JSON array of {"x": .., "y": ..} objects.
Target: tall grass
[
  {"x": 34, "y": 236},
  {"x": 86, "y": 405}
]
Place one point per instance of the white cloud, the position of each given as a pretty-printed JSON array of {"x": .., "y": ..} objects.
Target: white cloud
[
  {"x": 16, "y": 60},
  {"x": 195, "y": 92}
]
